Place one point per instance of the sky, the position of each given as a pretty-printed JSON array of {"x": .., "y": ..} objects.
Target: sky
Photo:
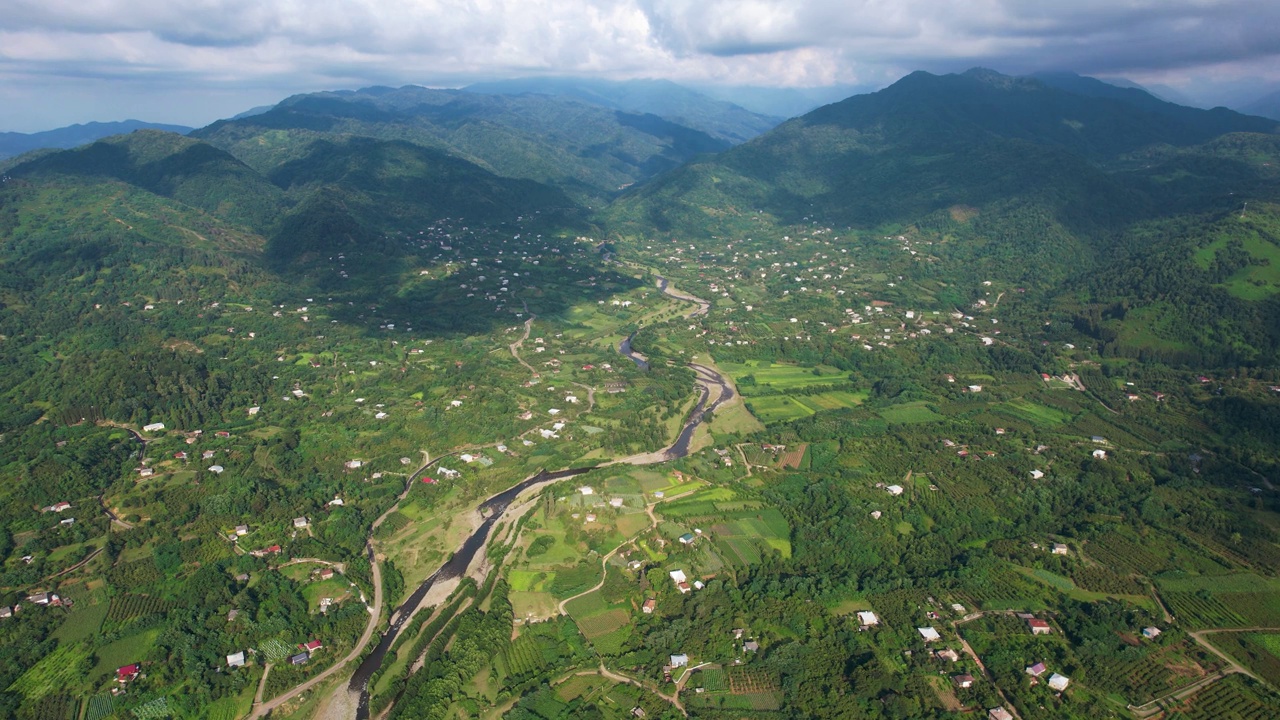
[{"x": 193, "y": 61}]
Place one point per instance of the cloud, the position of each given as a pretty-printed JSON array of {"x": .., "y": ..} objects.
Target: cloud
[{"x": 298, "y": 45}]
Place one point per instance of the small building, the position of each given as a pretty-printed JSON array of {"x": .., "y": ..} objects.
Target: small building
[
  {"x": 146, "y": 472},
  {"x": 875, "y": 514},
  {"x": 311, "y": 646},
  {"x": 957, "y": 608},
  {"x": 1059, "y": 682},
  {"x": 236, "y": 659},
  {"x": 153, "y": 427},
  {"x": 678, "y": 576},
  {"x": 1060, "y": 549},
  {"x": 300, "y": 659},
  {"x": 1037, "y": 474},
  {"x": 750, "y": 646},
  {"x": 41, "y": 598},
  {"x": 686, "y": 539},
  {"x": 127, "y": 673},
  {"x": 894, "y": 489},
  {"x": 1039, "y": 627},
  {"x": 326, "y": 573},
  {"x": 948, "y": 654},
  {"x": 648, "y": 606},
  {"x": 998, "y": 713},
  {"x": 58, "y": 507},
  {"x": 681, "y": 660},
  {"x": 216, "y": 469},
  {"x": 962, "y": 681},
  {"x": 6, "y": 611},
  {"x": 866, "y": 618},
  {"x": 242, "y": 530},
  {"x": 1036, "y": 670},
  {"x": 929, "y": 634},
  {"x": 683, "y": 587},
  {"x": 274, "y": 550},
  {"x": 1098, "y": 439},
  {"x": 207, "y": 455},
  {"x": 586, "y": 490},
  {"x": 615, "y": 502},
  {"x": 1151, "y": 633},
  {"x": 300, "y": 522},
  {"x": 1100, "y": 454}
]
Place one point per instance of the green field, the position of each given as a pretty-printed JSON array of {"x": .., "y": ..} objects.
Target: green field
[
  {"x": 125, "y": 651},
  {"x": 778, "y": 408},
  {"x": 909, "y": 413},
  {"x": 784, "y": 376},
  {"x": 1034, "y": 412}
]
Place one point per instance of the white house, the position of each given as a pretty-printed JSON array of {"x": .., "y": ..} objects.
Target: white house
[
  {"x": 1059, "y": 682},
  {"x": 866, "y": 618},
  {"x": 929, "y": 634},
  {"x": 1100, "y": 454},
  {"x": 153, "y": 427},
  {"x": 586, "y": 490},
  {"x": 236, "y": 659},
  {"x": 1037, "y": 474},
  {"x": 680, "y": 660},
  {"x": 300, "y": 522},
  {"x": 216, "y": 469},
  {"x": 894, "y": 489}
]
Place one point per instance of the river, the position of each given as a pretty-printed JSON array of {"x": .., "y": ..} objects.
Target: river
[{"x": 493, "y": 508}]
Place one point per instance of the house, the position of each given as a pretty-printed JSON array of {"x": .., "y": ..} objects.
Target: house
[
  {"x": 964, "y": 681},
  {"x": 1151, "y": 633},
  {"x": 681, "y": 660},
  {"x": 698, "y": 585},
  {"x": 127, "y": 673},
  {"x": 300, "y": 659},
  {"x": 67, "y": 521},
  {"x": 1036, "y": 670},
  {"x": 1059, "y": 682},
  {"x": 866, "y": 618},
  {"x": 1060, "y": 549},
  {"x": 929, "y": 634},
  {"x": 58, "y": 507},
  {"x": 326, "y": 573},
  {"x": 300, "y": 522},
  {"x": 242, "y": 530},
  {"x": 216, "y": 469},
  {"x": 998, "y": 713},
  {"x": 659, "y": 494},
  {"x": 311, "y": 647},
  {"x": 273, "y": 550},
  {"x": 957, "y": 608},
  {"x": 1039, "y": 627},
  {"x": 206, "y": 455},
  {"x": 948, "y": 654},
  {"x": 615, "y": 502},
  {"x": 591, "y": 517},
  {"x": 1100, "y": 454},
  {"x": 254, "y": 410},
  {"x": 6, "y": 611},
  {"x": 686, "y": 539},
  {"x": 750, "y": 646},
  {"x": 153, "y": 427},
  {"x": 875, "y": 514},
  {"x": 683, "y": 587},
  {"x": 678, "y": 576},
  {"x": 236, "y": 659},
  {"x": 146, "y": 472},
  {"x": 648, "y": 606},
  {"x": 180, "y": 456},
  {"x": 894, "y": 489},
  {"x": 467, "y": 457},
  {"x": 353, "y": 464},
  {"x": 1098, "y": 439},
  {"x": 1037, "y": 474},
  {"x": 336, "y": 502},
  {"x": 41, "y": 598},
  {"x": 975, "y": 388}
]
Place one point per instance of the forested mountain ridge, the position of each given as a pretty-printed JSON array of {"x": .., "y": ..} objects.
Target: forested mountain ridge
[
  {"x": 13, "y": 144},
  {"x": 586, "y": 150},
  {"x": 663, "y": 98}
]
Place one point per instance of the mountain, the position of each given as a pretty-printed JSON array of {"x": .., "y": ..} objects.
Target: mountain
[
  {"x": 931, "y": 142},
  {"x": 12, "y": 143},
  {"x": 679, "y": 104},
  {"x": 1267, "y": 106},
  {"x": 589, "y": 151},
  {"x": 787, "y": 102}
]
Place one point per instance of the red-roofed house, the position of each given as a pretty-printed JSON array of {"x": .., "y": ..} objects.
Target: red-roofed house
[
  {"x": 273, "y": 550},
  {"x": 127, "y": 673},
  {"x": 312, "y": 646},
  {"x": 1039, "y": 627}
]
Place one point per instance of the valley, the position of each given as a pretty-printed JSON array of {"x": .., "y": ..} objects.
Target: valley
[{"x": 885, "y": 412}]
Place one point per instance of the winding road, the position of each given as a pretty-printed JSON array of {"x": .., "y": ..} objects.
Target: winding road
[{"x": 714, "y": 390}]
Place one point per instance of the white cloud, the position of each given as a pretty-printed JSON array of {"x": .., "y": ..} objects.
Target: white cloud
[{"x": 298, "y": 45}]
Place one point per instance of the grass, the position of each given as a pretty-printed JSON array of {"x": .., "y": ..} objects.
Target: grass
[
  {"x": 81, "y": 624},
  {"x": 55, "y": 672},
  {"x": 910, "y": 413},
  {"x": 125, "y": 651},
  {"x": 778, "y": 408},
  {"x": 1033, "y": 412},
  {"x": 1068, "y": 587}
]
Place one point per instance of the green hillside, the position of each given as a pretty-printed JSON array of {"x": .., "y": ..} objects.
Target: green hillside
[{"x": 587, "y": 150}]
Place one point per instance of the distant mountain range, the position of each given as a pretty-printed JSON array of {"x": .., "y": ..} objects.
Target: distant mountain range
[{"x": 13, "y": 144}]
